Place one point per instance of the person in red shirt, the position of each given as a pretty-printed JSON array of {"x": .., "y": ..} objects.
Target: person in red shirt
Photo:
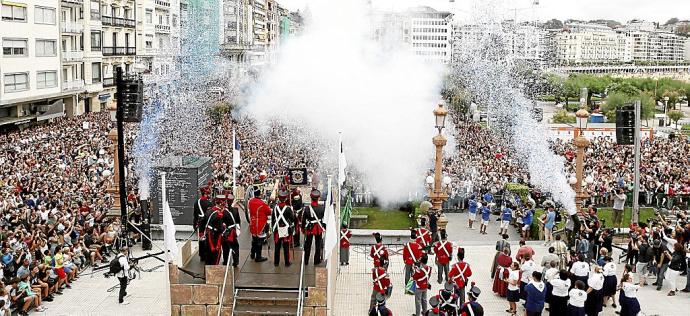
[
  {"x": 345, "y": 235},
  {"x": 412, "y": 252},
  {"x": 443, "y": 249},
  {"x": 421, "y": 275},
  {"x": 379, "y": 252},
  {"x": 381, "y": 284},
  {"x": 259, "y": 213},
  {"x": 460, "y": 274},
  {"x": 524, "y": 249},
  {"x": 423, "y": 235}
]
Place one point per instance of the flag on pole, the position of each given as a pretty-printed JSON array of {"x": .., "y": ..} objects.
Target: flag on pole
[
  {"x": 342, "y": 164},
  {"x": 235, "y": 150},
  {"x": 170, "y": 231},
  {"x": 331, "y": 229}
]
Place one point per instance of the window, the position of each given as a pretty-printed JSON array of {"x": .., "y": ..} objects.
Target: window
[
  {"x": 14, "y": 47},
  {"x": 45, "y": 48},
  {"x": 44, "y": 15},
  {"x": 16, "y": 82},
  {"x": 13, "y": 13},
  {"x": 149, "y": 17},
  {"x": 95, "y": 41},
  {"x": 95, "y": 72},
  {"x": 46, "y": 79}
]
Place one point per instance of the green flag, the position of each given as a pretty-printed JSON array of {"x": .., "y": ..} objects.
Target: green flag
[{"x": 346, "y": 212}]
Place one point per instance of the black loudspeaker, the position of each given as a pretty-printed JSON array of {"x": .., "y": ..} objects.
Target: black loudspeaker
[
  {"x": 625, "y": 125},
  {"x": 146, "y": 225}
]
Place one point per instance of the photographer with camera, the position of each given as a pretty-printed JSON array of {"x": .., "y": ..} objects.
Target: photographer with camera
[
  {"x": 619, "y": 198},
  {"x": 121, "y": 270}
]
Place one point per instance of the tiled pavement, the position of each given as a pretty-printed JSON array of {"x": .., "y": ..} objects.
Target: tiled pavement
[{"x": 354, "y": 281}]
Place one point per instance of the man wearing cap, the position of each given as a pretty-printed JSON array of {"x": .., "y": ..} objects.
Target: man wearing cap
[
  {"x": 412, "y": 252},
  {"x": 200, "y": 210},
  {"x": 283, "y": 221},
  {"x": 231, "y": 232},
  {"x": 381, "y": 284},
  {"x": 313, "y": 227},
  {"x": 472, "y": 307},
  {"x": 259, "y": 213},
  {"x": 380, "y": 308},
  {"x": 215, "y": 226},
  {"x": 443, "y": 250},
  {"x": 345, "y": 235},
  {"x": 448, "y": 300},
  {"x": 421, "y": 275},
  {"x": 460, "y": 274},
  {"x": 298, "y": 207},
  {"x": 379, "y": 253}
]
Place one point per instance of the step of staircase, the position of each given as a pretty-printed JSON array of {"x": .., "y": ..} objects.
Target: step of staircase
[{"x": 265, "y": 302}]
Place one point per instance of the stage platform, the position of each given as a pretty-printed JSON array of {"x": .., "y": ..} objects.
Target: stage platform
[{"x": 254, "y": 275}]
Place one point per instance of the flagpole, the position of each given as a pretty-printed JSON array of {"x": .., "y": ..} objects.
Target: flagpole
[
  {"x": 165, "y": 244},
  {"x": 234, "y": 175}
]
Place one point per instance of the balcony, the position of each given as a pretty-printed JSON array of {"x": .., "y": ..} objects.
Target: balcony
[
  {"x": 73, "y": 1},
  {"x": 71, "y": 27},
  {"x": 72, "y": 56},
  {"x": 163, "y": 4},
  {"x": 119, "y": 51},
  {"x": 116, "y": 21},
  {"x": 160, "y": 28},
  {"x": 108, "y": 82},
  {"x": 73, "y": 85}
]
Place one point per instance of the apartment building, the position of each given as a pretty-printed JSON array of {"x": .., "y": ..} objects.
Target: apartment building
[
  {"x": 158, "y": 38},
  {"x": 237, "y": 39},
  {"x": 430, "y": 32},
  {"x": 649, "y": 44},
  {"x": 259, "y": 44},
  {"x": 31, "y": 80},
  {"x": 581, "y": 43},
  {"x": 118, "y": 37}
]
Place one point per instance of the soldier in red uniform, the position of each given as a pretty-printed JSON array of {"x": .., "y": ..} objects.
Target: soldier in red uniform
[
  {"x": 460, "y": 274},
  {"x": 298, "y": 207},
  {"x": 313, "y": 227},
  {"x": 379, "y": 252},
  {"x": 381, "y": 283},
  {"x": 218, "y": 219},
  {"x": 345, "y": 235},
  {"x": 201, "y": 208},
  {"x": 283, "y": 221},
  {"x": 231, "y": 232},
  {"x": 259, "y": 213},
  {"x": 444, "y": 252},
  {"x": 421, "y": 275},
  {"x": 423, "y": 235},
  {"x": 412, "y": 252}
]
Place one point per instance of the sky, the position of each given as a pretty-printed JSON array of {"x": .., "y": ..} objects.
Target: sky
[{"x": 620, "y": 10}]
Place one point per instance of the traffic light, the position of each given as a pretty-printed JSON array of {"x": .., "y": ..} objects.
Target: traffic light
[
  {"x": 625, "y": 125},
  {"x": 131, "y": 90}
]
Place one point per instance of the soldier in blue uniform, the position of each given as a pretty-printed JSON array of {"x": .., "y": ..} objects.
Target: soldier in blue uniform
[{"x": 472, "y": 307}]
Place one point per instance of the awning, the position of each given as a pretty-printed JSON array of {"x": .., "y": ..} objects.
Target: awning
[
  {"x": 14, "y": 4},
  {"x": 103, "y": 97},
  {"x": 56, "y": 109},
  {"x": 16, "y": 120}
]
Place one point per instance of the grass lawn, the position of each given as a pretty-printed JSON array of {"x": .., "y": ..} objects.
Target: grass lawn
[{"x": 384, "y": 218}]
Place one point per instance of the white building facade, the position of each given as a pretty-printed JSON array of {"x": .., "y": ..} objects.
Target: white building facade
[
  {"x": 158, "y": 37},
  {"x": 430, "y": 33},
  {"x": 589, "y": 44}
]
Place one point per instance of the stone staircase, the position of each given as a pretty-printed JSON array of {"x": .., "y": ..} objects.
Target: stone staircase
[{"x": 265, "y": 302}]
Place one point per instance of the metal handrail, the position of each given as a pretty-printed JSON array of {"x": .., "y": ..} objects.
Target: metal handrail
[{"x": 300, "y": 295}]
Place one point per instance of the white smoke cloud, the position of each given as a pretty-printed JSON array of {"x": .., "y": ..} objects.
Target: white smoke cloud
[{"x": 335, "y": 77}]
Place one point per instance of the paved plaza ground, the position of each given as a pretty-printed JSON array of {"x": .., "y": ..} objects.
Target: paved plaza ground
[
  {"x": 92, "y": 294},
  {"x": 354, "y": 282}
]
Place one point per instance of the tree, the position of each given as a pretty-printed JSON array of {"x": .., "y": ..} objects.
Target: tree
[
  {"x": 219, "y": 110},
  {"x": 553, "y": 24},
  {"x": 675, "y": 116},
  {"x": 623, "y": 87},
  {"x": 563, "y": 117},
  {"x": 616, "y": 100}
]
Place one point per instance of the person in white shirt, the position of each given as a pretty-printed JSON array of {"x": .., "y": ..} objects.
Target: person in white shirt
[
  {"x": 610, "y": 282},
  {"x": 528, "y": 266},
  {"x": 513, "y": 281},
  {"x": 577, "y": 299},
  {"x": 558, "y": 300},
  {"x": 630, "y": 306},
  {"x": 580, "y": 270},
  {"x": 123, "y": 275},
  {"x": 594, "y": 293}
]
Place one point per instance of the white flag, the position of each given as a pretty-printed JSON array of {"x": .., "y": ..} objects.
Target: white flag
[
  {"x": 235, "y": 150},
  {"x": 329, "y": 219},
  {"x": 342, "y": 164},
  {"x": 168, "y": 224}
]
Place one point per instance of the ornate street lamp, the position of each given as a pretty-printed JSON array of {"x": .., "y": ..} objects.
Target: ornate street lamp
[
  {"x": 438, "y": 195},
  {"x": 581, "y": 143}
]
